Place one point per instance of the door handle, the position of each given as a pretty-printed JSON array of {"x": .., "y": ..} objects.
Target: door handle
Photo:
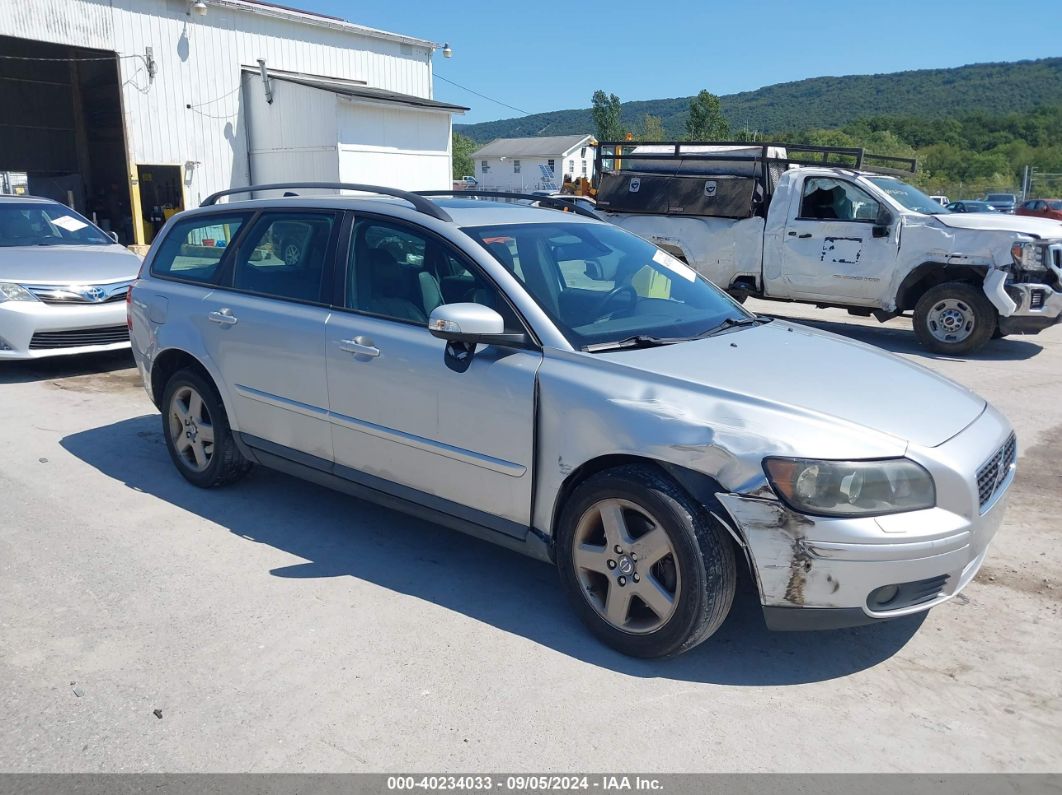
[
  {"x": 801, "y": 237},
  {"x": 361, "y": 346},
  {"x": 223, "y": 317}
]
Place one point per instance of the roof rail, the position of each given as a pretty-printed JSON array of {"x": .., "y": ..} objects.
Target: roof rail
[
  {"x": 550, "y": 201},
  {"x": 418, "y": 201}
]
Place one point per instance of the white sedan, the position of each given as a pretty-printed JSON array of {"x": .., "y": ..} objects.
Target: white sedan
[{"x": 63, "y": 282}]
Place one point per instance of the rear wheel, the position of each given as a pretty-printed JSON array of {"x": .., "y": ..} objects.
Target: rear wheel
[
  {"x": 954, "y": 318},
  {"x": 197, "y": 432},
  {"x": 646, "y": 567}
]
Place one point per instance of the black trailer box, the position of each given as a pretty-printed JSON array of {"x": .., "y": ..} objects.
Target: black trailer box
[{"x": 716, "y": 195}]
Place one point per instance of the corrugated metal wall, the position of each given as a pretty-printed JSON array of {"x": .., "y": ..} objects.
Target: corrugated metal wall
[{"x": 191, "y": 110}]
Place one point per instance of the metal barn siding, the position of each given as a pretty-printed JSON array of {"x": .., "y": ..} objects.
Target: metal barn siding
[{"x": 183, "y": 105}]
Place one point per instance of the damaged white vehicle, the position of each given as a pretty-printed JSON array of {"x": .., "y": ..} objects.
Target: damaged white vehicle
[{"x": 762, "y": 220}]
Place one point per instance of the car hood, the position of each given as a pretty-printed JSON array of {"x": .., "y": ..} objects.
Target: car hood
[
  {"x": 67, "y": 264},
  {"x": 814, "y": 371},
  {"x": 1002, "y": 222}
]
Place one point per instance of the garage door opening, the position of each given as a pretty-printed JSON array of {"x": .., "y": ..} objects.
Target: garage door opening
[
  {"x": 161, "y": 195},
  {"x": 61, "y": 131}
]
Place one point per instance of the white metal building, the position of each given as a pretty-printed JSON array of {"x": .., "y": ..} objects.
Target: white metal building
[
  {"x": 133, "y": 109},
  {"x": 516, "y": 164}
]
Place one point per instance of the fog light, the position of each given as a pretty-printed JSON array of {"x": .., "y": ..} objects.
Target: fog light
[
  {"x": 5, "y": 345},
  {"x": 881, "y": 597}
]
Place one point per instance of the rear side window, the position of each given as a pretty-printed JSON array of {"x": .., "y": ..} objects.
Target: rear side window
[
  {"x": 193, "y": 248},
  {"x": 284, "y": 254}
]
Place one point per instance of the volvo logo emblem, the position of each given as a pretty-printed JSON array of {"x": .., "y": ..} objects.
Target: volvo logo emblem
[{"x": 93, "y": 293}]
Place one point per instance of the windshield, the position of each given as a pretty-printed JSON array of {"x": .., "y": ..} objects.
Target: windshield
[
  {"x": 1000, "y": 197},
  {"x": 1055, "y": 205},
  {"x": 39, "y": 224},
  {"x": 601, "y": 285},
  {"x": 909, "y": 196}
]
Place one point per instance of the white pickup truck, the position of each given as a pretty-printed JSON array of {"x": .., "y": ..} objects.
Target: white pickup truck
[{"x": 818, "y": 226}]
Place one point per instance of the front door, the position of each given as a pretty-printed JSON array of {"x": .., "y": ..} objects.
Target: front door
[
  {"x": 407, "y": 419},
  {"x": 829, "y": 248},
  {"x": 265, "y": 329}
]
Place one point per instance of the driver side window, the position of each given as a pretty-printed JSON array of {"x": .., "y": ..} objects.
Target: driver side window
[
  {"x": 399, "y": 274},
  {"x": 829, "y": 199}
]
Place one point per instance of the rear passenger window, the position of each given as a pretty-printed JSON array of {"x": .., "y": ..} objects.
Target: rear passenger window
[
  {"x": 194, "y": 247},
  {"x": 284, "y": 255}
]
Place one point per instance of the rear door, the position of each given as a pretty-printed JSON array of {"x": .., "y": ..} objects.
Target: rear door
[
  {"x": 265, "y": 329},
  {"x": 408, "y": 418},
  {"x": 829, "y": 248}
]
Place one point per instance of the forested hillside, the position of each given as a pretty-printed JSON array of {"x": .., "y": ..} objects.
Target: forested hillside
[{"x": 827, "y": 102}]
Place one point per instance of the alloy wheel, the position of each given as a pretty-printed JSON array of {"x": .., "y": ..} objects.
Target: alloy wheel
[
  {"x": 627, "y": 566},
  {"x": 191, "y": 428}
]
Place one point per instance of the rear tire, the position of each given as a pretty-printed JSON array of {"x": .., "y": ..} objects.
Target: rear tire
[
  {"x": 954, "y": 318},
  {"x": 197, "y": 432},
  {"x": 646, "y": 567}
]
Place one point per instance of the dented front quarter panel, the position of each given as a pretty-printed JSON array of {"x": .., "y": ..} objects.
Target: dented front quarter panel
[
  {"x": 925, "y": 239},
  {"x": 590, "y": 407}
]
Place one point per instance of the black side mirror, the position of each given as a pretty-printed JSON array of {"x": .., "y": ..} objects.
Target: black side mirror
[
  {"x": 593, "y": 270},
  {"x": 882, "y": 221}
]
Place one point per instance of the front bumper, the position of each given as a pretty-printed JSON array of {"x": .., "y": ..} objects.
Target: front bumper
[
  {"x": 60, "y": 330},
  {"x": 819, "y": 573},
  {"x": 1037, "y": 307}
]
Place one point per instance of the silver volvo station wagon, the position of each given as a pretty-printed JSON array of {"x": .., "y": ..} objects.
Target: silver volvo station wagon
[{"x": 554, "y": 384}]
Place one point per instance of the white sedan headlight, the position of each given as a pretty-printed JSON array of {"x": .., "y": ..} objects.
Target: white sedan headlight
[
  {"x": 851, "y": 488},
  {"x": 15, "y": 292}
]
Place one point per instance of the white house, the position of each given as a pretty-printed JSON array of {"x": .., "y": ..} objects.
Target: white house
[
  {"x": 526, "y": 164},
  {"x": 133, "y": 109}
]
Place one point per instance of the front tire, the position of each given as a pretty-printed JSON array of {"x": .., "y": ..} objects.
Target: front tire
[
  {"x": 954, "y": 318},
  {"x": 198, "y": 437},
  {"x": 646, "y": 567}
]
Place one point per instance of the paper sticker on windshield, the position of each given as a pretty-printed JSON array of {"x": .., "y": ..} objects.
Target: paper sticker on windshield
[
  {"x": 674, "y": 264},
  {"x": 634, "y": 184},
  {"x": 69, "y": 223},
  {"x": 710, "y": 188}
]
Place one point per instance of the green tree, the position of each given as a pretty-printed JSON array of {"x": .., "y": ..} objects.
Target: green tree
[
  {"x": 652, "y": 128},
  {"x": 706, "y": 121},
  {"x": 462, "y": 148},
  {"x": 606, "y": 113}
]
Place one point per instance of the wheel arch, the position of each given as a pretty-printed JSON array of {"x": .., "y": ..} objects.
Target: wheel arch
[
  {"x": 698, "y": 485},
  {"x": 929, "y": 274},
  {"x": 168, "y": 362}
]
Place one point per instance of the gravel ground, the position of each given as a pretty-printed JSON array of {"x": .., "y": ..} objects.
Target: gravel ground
[{"x": 277, "y": 626}]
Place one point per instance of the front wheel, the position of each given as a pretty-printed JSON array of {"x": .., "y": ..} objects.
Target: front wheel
[
  {"x": 954, "y": 318},
  {"x": 646, "y": 567}
]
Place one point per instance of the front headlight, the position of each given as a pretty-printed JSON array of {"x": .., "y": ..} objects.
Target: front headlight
[
  {"x": 1028, "y": 256},
  {"x": 15, "y": 292},
  {"x": 851, "y": 488}
]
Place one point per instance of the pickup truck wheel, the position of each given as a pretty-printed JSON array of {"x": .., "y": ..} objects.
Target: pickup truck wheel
[
  {"x": 954, "y": 318},
  {"x": 197, "y": 432},
  {"x": 645, "y": 566}
]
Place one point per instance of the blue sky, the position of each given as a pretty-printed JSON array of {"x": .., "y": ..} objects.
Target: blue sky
[{"x": 543, "y": 55}]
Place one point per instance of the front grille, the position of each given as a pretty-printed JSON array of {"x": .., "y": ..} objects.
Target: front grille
[
  {"x": 994, "y": 471},
  {"x": 79, "y": 338},
  {"x": 79, "y": 294},
  {"x": 1036, "y": 300}
]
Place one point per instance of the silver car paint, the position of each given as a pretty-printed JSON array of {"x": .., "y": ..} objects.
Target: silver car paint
[
  {"x": 67, "y": 265},
  {"x": 66, "y": 270},
  {"x": 708, "y": 408}
]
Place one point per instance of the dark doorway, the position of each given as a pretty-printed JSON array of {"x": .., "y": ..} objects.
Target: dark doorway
[
  {"x": 161, "y": 195},
  {"x": 61, "y": 126}
]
